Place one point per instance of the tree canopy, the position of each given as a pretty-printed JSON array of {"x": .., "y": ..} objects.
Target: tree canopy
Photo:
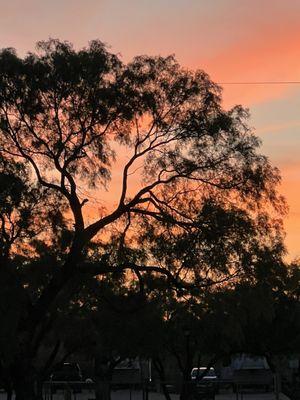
[
  {"x": 70, "y": 115},
  {"x": 194, "y": 199}
]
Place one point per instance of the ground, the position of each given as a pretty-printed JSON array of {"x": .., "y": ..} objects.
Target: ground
[{"x": 137, "y": 395}]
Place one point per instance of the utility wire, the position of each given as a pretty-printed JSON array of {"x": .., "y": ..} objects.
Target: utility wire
[{"x": 261, "y": 83}]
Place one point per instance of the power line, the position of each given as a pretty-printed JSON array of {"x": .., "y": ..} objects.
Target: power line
[{"x": 261, "y": 83}]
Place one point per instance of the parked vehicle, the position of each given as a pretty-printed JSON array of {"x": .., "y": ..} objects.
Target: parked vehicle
[
  {"x": 205, "y": 380},
  {"x": 252, "y": 372},
  {"x": 210, "y": 375},
  {"x": 66, "y": 372}
]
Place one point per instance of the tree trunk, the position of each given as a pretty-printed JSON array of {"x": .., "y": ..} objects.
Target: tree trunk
[
  {"x": 9, "y": 394},
  {"x": 25, "y": 389},
  {"x": 158, "y": 365},
  {"x": 103, "y": 377},
  {"x": 185, "y": 392},
  {"x": 24, "y": 380},
  {"x": 186, "y": 388},
  {"x": 7, "y": 385},
  {"x": 39, "y": 389},
  {"x": 102, "y": 389},
  {"x": 28, "y": 389},
  {"x": 274, "y": 365}
]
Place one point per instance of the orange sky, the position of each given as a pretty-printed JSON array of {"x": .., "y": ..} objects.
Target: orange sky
[{"x": 232, "y": 40}]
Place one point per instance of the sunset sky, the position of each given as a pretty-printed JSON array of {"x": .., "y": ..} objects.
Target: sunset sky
[{"x": 232, "y": 40}]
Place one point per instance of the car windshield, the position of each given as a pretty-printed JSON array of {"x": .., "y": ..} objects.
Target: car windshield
[
  {"x": 67, "y": 368},
  {"x": 199, "y": 371}
]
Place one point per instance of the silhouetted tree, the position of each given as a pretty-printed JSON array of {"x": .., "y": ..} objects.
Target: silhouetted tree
[{"x": 68, "y": 117}]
